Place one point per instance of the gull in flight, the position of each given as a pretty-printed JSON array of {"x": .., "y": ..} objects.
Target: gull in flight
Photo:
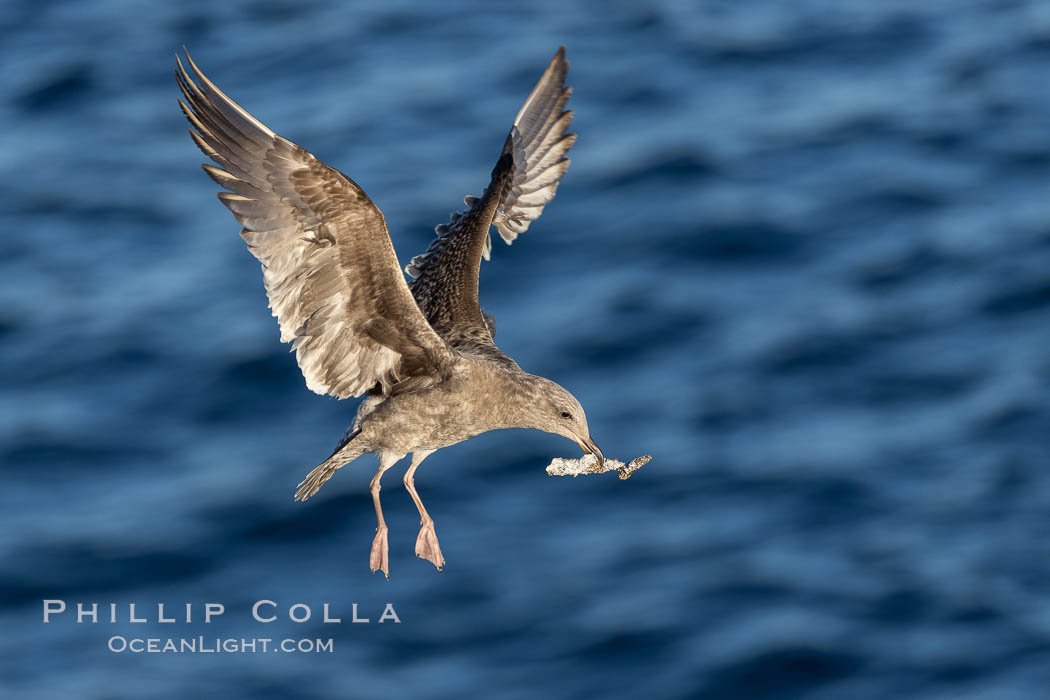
[{"x": 420, "y": 351}]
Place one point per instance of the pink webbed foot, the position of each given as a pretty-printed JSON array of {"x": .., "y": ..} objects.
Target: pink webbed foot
[
  {"x": 427, "y": 545},
  {"x": 379, "y": 559}
]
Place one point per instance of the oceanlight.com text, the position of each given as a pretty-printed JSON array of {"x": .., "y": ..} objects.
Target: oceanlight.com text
[{"x": 218, "y": 645}]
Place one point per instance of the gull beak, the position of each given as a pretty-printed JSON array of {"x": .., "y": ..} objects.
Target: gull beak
[{"x": 587, "y": 445}]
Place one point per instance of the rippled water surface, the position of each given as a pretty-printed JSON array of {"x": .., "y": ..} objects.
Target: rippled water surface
[{"x": 802, "y": 257}]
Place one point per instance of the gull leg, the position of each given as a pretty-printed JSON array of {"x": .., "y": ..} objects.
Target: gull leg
[
  {"x": 427, "y": 542},
  {"x": 379, "y": 558}
]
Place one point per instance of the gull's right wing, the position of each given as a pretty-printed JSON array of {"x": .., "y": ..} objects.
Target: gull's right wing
[{"x": 523, "y": 182}]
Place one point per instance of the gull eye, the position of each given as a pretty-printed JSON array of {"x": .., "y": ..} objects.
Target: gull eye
[{"x": 566, "y": 414}]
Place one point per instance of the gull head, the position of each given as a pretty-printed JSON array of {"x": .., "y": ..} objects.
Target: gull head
[{"x": 554, "y": 410}]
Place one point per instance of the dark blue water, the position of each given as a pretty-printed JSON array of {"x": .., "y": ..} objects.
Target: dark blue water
[{"x": 802, "y": 257}]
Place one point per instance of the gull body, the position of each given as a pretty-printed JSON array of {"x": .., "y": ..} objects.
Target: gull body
[{"x": 422, "y": 352}]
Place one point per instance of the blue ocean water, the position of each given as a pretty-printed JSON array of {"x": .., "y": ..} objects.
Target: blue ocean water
[{"x": 802, "y": 257}]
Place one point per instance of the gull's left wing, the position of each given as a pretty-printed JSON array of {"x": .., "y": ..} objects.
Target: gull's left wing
[{"x": 329, "y": 267}]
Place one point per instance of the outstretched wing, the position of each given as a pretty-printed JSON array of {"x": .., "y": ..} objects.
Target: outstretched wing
[
  {"x": 523, "y": 182},
  {"x": 329, "y": 267}
]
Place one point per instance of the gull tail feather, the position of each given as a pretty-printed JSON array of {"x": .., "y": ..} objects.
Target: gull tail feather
[{"x": 344, "y": 454}]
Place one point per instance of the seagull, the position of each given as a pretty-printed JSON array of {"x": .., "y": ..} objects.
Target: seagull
[{"x": 421, "y": 352}]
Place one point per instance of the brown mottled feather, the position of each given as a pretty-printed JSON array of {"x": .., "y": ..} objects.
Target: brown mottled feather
[{"x": 523, "y": 182}]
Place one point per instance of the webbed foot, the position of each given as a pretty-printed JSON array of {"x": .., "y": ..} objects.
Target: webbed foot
[
  {"x": 427, "y": 545},
  {"x": 379, "y": 559}
]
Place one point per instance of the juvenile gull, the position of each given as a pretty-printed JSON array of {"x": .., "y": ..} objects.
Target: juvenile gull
[{"x": 422, "y": 352}]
